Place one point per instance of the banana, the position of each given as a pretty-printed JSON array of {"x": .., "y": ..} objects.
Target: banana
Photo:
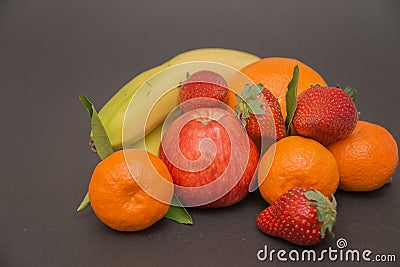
[
  {"x": 152, "y": 141},
  {"x": 113, "y": 112}
]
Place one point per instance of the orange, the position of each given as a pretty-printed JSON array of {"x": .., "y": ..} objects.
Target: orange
[
  {"x": 367, "y": 158},
  {"x": 125, "y": 203},
  {"x": 297, "y": 161},
  {"x": 275, "y": 74}
]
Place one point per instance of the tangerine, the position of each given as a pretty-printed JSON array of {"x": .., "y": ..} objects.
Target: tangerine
[
  {"x": 297, "y": 161},
  {"x": 275, "y": 74},
  {"x": 130, "y": 190},
  {"x": 367, "y": 158}
]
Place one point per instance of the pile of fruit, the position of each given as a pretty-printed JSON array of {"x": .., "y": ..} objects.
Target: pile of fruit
[{"x": 214, "y": 137}]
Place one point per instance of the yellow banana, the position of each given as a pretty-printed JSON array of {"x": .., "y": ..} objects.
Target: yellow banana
[
  {"x": 113, "y": 112},
  {"x": 152, "y": 141}
]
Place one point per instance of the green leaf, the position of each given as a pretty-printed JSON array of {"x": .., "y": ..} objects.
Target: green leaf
[
  {"x": 248, "y": 102},
  {"x": 352, "y": 92},
  {"x": 245, "y": 90},
  {"x": 178, "y": 213},
  {"x": 85, "y": 202},
  {"x": 291, "y": 99},
  {"x": 254, "y": 91},
  {"x": 100, "y": 138},
  {"x": 323, "y": 228},
  {"x": 320, "y": 214},
  {"x": 326, "y": 210},
  {"x": 330, "y": 233},
  {"x": 87, "y": 104},
  {"x": 333, "y": 201},
  {"x": 251, "y": 91},
  {"x": 316, "y": 196},
  {"x": 238, "y": 97},
  {"x": 255, "y": 106}
]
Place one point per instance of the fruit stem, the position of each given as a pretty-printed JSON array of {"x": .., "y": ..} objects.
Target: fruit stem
[{"x": 92, "y": 145}]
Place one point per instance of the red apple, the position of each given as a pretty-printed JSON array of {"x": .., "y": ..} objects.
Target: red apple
[{"x": 211, "y": 158}]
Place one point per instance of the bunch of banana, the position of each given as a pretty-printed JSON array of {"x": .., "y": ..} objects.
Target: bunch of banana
[{"x": 113, "y": 112}]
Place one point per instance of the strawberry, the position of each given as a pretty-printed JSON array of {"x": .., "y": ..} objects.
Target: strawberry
[
  {"x": 260, "y": 112},
  {"x": 301, "y": 216},
  {"x": 325, "y": 114},
  {"x": 203, "y": 84}
]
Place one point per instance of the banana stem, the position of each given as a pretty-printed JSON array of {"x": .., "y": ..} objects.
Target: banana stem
[{"x": 92, "y": 145}]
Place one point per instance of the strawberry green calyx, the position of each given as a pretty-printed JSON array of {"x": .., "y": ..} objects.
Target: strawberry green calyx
[
  {"x": 352, "y": 92},
  {"x": 326, "y": 210},
  {"x": 248, "y": 102}
]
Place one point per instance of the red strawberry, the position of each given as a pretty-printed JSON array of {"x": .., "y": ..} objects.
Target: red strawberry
[
  {"x": 259, "y": 110},
  {"x": 203, "y": 84},
  {"x": 325, "y": 114},
  {"x": 301, "y": 216}
]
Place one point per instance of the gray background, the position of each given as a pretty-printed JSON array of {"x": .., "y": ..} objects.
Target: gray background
[{"x": 50, "y": 51}]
